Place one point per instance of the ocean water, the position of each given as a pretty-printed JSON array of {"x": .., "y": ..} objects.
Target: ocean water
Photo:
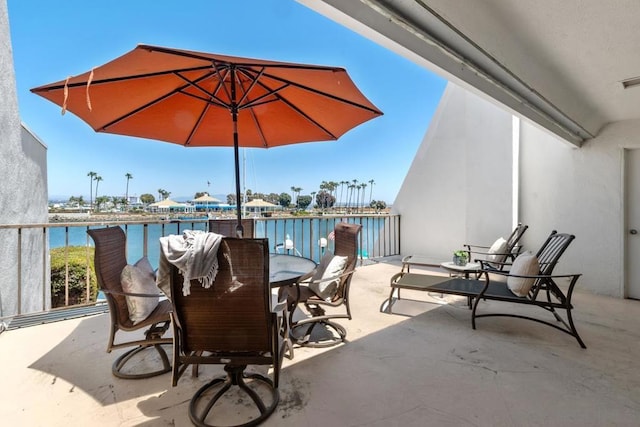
[{"x": 308, "y": 236}]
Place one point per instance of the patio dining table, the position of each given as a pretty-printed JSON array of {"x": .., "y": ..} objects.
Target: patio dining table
[{"x": 286, "y": 269}]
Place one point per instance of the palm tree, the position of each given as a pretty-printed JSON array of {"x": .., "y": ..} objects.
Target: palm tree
[
  {"x": 342, "y": 184},
  {"x": 97, "y": 179},
  {"x": 371, "y": 181},
  {"x": 163, "y": 194},
  {"x": 353, "y": 188},
  {"x": 297, "y": 190},
  {"x": 91, "y": 175},
  {"x": 101, "y": 201},
  {"x": 364, "y": 186},
  {"x": 350, "y": 187},
  {"x": 126, "y": 193},
  {"x": 333, "y": 187}
]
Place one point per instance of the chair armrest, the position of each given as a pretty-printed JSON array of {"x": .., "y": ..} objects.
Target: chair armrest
[
  {"x": 131, "y": 294},
  {"x": 490, "y": 265},
  {"x": 280, "y": 306},
  {"x": 536, "y": 276},
  {"x": 396, "y": 276},
  {"x": 469, "y": 247},
  {"x": 329, "y": 279}
]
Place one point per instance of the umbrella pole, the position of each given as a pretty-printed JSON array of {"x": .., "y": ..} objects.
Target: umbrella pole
[
  {"x": 234, "y": 116},
  {"x": 239, "y": 228}
]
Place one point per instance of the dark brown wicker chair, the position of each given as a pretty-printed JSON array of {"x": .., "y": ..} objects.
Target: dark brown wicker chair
[
  {"x": 301, "y": 331},
  {"x": 227, "y": 227},
  {"x": 110, "y": 260},
  {"x": 229, "y": 323}
]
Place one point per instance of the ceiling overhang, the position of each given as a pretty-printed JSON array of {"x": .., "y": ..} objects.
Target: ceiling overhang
[{"x": 414, "y": 29}]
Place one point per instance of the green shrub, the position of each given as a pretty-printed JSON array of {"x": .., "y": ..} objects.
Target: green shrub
[{"x": 77, "y": 276}]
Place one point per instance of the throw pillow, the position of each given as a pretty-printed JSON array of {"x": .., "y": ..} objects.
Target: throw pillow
[
  {"x": 322, "y": 265},
  {"x": 497, "y": 252},
  {"x": 525, "y": 265},
  {"x": 330, "y": 266},
  {"x": 144, "y": 265},
  {"x": 138, "y": 281}
]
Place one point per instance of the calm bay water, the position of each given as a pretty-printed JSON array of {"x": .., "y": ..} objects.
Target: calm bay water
[{"x": 304, "y": 233}]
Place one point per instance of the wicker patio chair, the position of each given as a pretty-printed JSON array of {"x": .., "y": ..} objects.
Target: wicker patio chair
[
  {"x": 230, "y": 323},
  {"x": 304, "y": 293},
  {"x": 109, "y": 262},
  {"x": 227, "y": 227}
]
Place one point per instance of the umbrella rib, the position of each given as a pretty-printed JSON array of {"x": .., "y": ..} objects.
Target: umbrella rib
[
  {"x": 239, "y": 63},
  {"x": 319, "y": 92},
  {"x": 274, "y": 92},
  {"x": 298, "y": 110},
  {"x": 148, "y": 104},
  {"x": 197, "y": 125},
  {"x": 257, "y": 101},
  {"x": 221, "y": 80},
  {"x": 254, "y": 81},
  {"x": 211, "y": 97},
  {"x": 117, "y": 79}
]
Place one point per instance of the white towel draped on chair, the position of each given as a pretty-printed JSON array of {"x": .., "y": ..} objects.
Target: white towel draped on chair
[{"x": 194, "y": 253}]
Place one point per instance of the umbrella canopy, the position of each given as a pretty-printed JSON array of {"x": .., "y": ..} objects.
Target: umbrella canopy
[{"x": 200, "y": 99}]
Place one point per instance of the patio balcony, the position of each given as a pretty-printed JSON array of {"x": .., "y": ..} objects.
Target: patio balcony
[{"x": 423, "y": 366}]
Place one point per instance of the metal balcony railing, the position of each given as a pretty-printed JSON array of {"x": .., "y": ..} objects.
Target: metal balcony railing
[{"x": 307, "y": 236}]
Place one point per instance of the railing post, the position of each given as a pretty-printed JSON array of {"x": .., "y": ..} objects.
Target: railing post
[
  {"x": 19, "y": 270},
  {"x": 145, "y": 240},
  {"x": 88, "y": 270},
  {"x": 44, "y": 268},
  {"x": 66, "y": 266}
]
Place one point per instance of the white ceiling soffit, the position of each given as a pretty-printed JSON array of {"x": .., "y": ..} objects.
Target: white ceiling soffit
[{"x": 412, "y": 26}]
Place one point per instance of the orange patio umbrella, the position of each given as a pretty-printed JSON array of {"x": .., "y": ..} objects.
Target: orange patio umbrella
[{"x": 200, "y": 99}]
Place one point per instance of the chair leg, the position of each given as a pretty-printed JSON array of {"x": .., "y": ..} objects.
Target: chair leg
[
  {"x": 235, "y": 377},
  {"x": 121, "y": 361},
  {"x": 301, "y": 334}
]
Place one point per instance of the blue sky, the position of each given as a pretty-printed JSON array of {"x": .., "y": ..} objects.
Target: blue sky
[{"x": 54, "y": 39}]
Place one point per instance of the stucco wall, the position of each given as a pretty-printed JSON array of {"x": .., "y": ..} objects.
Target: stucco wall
[
  {"x": 579, "y": 191},
  {"x": 458, "y": 189},
  {"x": 23, "y": 195},
  {"x": 574, "y": 190}
]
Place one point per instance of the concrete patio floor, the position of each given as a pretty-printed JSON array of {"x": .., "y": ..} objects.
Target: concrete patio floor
[{"x": 423, "y": 367}]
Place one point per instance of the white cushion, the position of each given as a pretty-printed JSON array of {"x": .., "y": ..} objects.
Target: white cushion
[
  {"x": 138, "y": 280},
  {"x": 330, "y": 266},
  {"x": 497, "y": 252},
  {"x": 322, "y": 265},
  {"x": 144, "y": 265},
  {"x": 525, "y": 265}
]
